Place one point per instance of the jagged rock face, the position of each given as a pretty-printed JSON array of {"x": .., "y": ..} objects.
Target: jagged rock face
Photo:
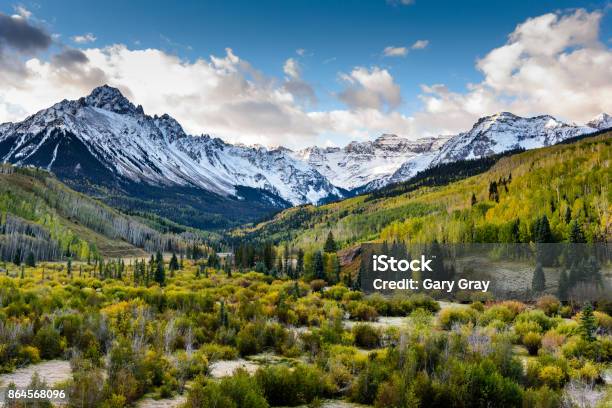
[
  {"x": 103, "y": 138},
  {"x": 359, "y": 164},
  {"x": 505, "y": 131},
  {"x": 497, "y": 134},
  {"x": 104, "y": 135}
]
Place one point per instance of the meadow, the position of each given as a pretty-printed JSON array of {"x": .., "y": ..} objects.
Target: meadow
[{"x": 199, "y": 334}]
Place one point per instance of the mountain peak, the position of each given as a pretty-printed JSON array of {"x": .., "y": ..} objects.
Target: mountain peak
[
  {"x": 110, "y": 99},
  {"x": 601, "y": 121}
]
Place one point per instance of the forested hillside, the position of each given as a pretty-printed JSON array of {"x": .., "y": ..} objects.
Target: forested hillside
[
  {"x": 564, "y": 186},
  {"x": 43, "y": 219}
]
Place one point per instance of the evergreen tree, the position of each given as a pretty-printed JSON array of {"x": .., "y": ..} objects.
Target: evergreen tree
[
  {"x": 30, "y": 259},
  {"x": 268, "y": 256},
  {"x": 160, "y": 273},
  {"x": 576, "y": 235},
  {"x": 538, "y": 282},
  {"x": 22, "y": 272},
  {"x": 69, "y": 266},
  {"x": 330, "y": 243},
  {"x": 299, "y": 266},
  {"x": 17, "y": 257},
  {"x": 318, "y": 266},
  {"x": 568, "y": 214},
  {"x": 588, "y": 324},
  {"x": 473, "y": 200},
  {"x": 173, "y": 265},
  {"x": 542, "y": 233}
]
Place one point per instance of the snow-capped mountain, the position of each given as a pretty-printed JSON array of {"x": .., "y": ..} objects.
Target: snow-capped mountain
[
  {"x": 105, "y": 140},
  {"x": 359, "y": 164},
  {"x": 505, "y": 131},
  {"x": 497, "y": 134},
  {"x": 104, "y": 136}
]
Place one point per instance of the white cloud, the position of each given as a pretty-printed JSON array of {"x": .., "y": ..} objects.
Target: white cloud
[
  {"x": 420, "y": 44},
  {"x": 370, "y": 88},
  {"x": 292, "y": 68},
  {"x": 392, "y": 51},
  {"x": 84, "y": 39},
  {"x": 553, "y": 64},
  {"x": 300, "y": 51},
  {"x": 23, "y": 12}
]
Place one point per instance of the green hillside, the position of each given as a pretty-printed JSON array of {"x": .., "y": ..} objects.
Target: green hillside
[
  {"x": 42, "y": 216},
  {"x": 567, "y": 183}
]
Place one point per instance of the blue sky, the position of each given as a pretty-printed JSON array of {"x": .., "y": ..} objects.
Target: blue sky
[{"x": 327, "y": 41}]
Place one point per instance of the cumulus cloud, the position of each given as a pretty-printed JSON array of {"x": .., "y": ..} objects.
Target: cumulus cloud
[
  {"x": 392, "y": 51},
  {"x": 551, "y": 64},
  {"x": 372, "y": 88},
  {"x": 84, "y": 39}
]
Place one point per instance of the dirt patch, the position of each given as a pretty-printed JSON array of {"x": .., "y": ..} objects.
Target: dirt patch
[{"x": 52, "y": 372}]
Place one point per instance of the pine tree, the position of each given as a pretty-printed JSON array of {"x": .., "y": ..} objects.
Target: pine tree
[
  {"x": 299, "y": 267},
  {"x": 160, "y": 273},
  {"x": 538, "y": 282},
  {"x": 576, "y": 235},
  {"x": 30, "y": 260},
  {"x": 69, "y": 266},
  {"x": 473, "y": 200},
  {"x": 318, "y": 266},
  {"x": 268, "y": 256},
  {"x": 173, "y": 265},
  {"x": 542, "y": 233},
  {"x": 22, "y": 272},
  {"x": 330, "y": 243},
  {"x": 568, "y": 214},
  {"x": 17, "y": 257},
  {"x": 588, "y": 324}
]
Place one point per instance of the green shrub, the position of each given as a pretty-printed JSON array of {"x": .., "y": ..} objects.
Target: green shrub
[
  {"x": 283, "y": 386},
  {"x": 366, "y": 336},
  {"x": 532, "y": 341},
  {"x": 452, "y": 315},
  {"x": 49, "y": 342}
]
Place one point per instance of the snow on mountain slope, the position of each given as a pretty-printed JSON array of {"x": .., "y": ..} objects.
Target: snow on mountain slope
[
  {"x": 104, "y": 138},
  {"x": 108, "y": 129},
  {"x": 505, "y": 131},
  {"x": 496, "y": 134},
  {"x": 360, "y": 164}
]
